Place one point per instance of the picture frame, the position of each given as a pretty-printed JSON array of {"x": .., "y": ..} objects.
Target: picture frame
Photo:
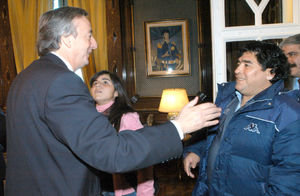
[{"x": 167, "y": 48}]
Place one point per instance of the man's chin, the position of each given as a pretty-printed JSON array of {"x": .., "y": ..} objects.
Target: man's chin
[
  {"x": 293, "y": 71},
  {"x": 84, "y": 64}
]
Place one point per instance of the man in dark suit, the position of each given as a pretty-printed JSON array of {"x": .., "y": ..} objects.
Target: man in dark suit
[
  {"x": 55, "y": 136},
  {"x": 2, "y": 150},
  {"x": 291, "y": 48}
]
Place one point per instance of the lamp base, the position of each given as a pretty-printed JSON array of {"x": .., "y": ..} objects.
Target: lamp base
[{"x": 172, "y": 115}]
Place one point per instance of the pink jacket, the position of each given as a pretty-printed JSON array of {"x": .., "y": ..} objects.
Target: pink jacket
[{"x": 131, "y": 121}]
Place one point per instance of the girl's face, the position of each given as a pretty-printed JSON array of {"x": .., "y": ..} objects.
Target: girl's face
[{"x": 103, "y": 90}]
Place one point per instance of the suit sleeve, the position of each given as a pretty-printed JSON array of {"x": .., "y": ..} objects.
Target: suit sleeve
[
  {"x": 2, "y": 130},
  {"x": 197, "y": 148},
  {"x": 284, "y": 175},
  {"x": 71, "y": 116}
]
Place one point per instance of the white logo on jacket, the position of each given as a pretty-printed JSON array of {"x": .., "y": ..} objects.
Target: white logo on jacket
[{"x": 252, "y": 127}]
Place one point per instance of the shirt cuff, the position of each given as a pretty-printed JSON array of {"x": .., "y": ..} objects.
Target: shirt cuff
[{"x": 179, "y": 130}]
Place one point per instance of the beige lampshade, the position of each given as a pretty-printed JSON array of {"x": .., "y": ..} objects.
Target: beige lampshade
[{"x": 172, "y": 100}]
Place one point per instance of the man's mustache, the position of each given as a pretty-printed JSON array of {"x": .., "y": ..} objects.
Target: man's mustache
[{"x": 292, "y": 65}]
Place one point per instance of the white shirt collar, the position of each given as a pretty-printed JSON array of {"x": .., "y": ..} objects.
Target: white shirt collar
[
  {"x": 239, "y": 96},
  {"x": 77, "y": 72},
  {"x": 64, "y": 60},
  {"x": 295, "y": 83}
]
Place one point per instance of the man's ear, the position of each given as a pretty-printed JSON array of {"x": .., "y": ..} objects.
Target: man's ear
[
  {"x": 67, "y": 40},
  {"x": 270, "y": 75}
]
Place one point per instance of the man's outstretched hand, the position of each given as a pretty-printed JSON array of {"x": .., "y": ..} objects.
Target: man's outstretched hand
[{"x": 193, "y": 117}]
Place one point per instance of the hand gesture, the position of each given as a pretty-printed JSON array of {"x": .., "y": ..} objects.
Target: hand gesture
[
  {"x": 190, "y": 161},
  {"x": 194, "y": 117}
]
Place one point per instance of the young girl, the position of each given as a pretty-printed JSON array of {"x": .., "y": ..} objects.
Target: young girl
[{"x": 112, "y": 100}]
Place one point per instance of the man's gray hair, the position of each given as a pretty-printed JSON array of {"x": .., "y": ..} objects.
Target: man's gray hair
[
  {"x": 295, "y": 39},
  {"x": 54, "y": 24}
]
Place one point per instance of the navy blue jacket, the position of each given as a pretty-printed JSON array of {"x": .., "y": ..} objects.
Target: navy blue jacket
[{"x": 260, "y": 150}]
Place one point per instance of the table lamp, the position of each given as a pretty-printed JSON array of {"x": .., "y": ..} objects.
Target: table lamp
[{"x": 172, "y": 100}]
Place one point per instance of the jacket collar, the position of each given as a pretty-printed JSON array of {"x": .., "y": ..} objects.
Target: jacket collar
[
  {"x": 263, "y": 100},
  {"x": 270, "y": 92},
  {"x": 55, "y": 59}
]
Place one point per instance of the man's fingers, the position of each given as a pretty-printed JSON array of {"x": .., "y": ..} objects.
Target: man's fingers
[
  {"x": 194, "y": 117},
  {"x": 193, "y": 165},
  {"x": 192, "y": 103},
  {"x": 187, "y": 167},
  {"x": 191, "y": 175},
  {"x": 211, "y": 116},
  {"x": 210, "y": 111},
  {"x": 190, "y": 161},
  {"x": 211, "y": 123},
  {"x": 208, "y": 108}
]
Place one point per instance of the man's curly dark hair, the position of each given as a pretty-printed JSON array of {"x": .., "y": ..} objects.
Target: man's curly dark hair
[{"x": 269, "y": 55}]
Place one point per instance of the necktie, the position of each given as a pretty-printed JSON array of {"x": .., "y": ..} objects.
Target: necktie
[{"x": 299, "y": 82}]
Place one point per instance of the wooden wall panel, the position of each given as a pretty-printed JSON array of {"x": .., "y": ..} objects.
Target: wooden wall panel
[
  {"x": 114, "y": 41},
  {"x": 7, "y": 62},
  {"x": 119, "y": 41},
  {"x": 128, "y": 49}
]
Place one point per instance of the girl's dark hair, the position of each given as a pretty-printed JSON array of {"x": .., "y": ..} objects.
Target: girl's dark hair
[{"x": 122, "y": 104}]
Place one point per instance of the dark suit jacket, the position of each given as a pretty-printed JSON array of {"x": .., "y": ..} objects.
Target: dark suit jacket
[
  {"x": 56, "y": 138},
  {"x": 2, "y": 145}
]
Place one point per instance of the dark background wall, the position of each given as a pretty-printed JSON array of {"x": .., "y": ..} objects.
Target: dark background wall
[{"x": 155, "y": 10}]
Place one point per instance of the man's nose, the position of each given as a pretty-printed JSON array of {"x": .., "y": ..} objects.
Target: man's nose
[
  {"x": 237, "y": 69},
  {"x": 290, "y": 60},
  {"x": 93, "y": 43}
]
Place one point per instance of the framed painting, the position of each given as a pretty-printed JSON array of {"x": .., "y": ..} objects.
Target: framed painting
[{"x": 167, "y": 48}]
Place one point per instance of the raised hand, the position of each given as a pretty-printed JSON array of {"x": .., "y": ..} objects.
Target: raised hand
[{"x": 194, "y": 117}]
